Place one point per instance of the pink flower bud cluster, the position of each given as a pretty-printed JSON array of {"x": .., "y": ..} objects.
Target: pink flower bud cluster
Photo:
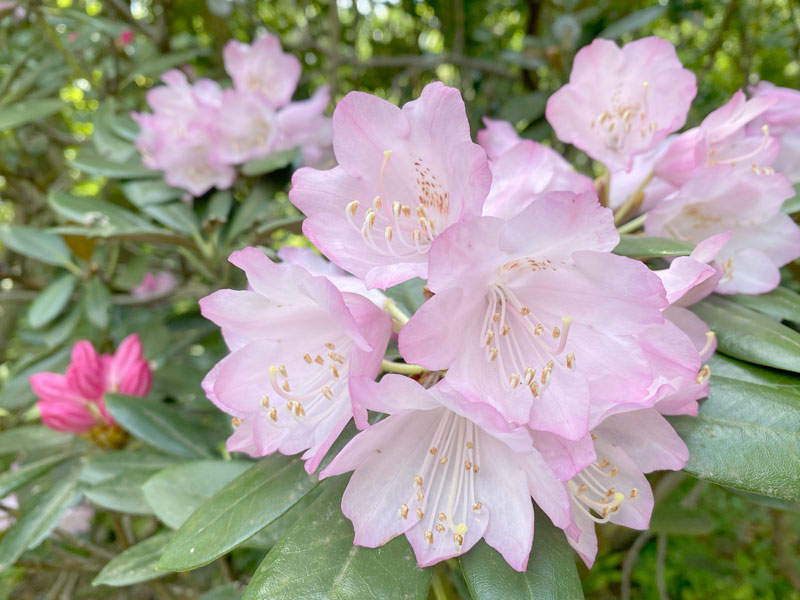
[
  {"x": 198, "y": 132},
  {"x": 73, "y": 402}
]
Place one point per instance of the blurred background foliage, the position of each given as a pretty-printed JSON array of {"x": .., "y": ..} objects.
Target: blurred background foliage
[{"x": 69, "y": 75}]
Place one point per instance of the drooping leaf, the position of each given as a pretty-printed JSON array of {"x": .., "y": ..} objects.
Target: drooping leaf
[
  {"x": 746, "y": 436},
  {"x": 238, "y": 511},
  {"x": 748, "y": 335},
  {"x": 37, "y": 244},
  {"x": 136, "y": 564},
  {"x": 98, "y": 303},
  {"x": 175, "y": 493},
  {"x": 161, "y": 426},
  {"x": 316, "y": 559},
  {"x": 21, "y": 113},
  {"x": 640, "y": 246},
  {"x": 780, "y": 303},
  {"x": 49, "y": 304},
  {"x": 551, "y": 573},
  {"x": 40, "y": 515}
]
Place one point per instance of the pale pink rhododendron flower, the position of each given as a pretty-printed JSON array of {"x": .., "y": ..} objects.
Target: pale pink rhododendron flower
[
  {"x": 74, "y": 402},
  {"x": 263, "y": 68},
  {"x": 154, "y": 285},
  {"x": 620, "y": 102},
  {"x": 722, "y": 198},
  {"x": 516, "y": 319},
  {"x": 446, "y": 470},
  {"x": 522, "y": 170},
  {"x": 783, "y": 121},
  {"x": 295, "y": 343},
  {"x": 404, "y": 176}
]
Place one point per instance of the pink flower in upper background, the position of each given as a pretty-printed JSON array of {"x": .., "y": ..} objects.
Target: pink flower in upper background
[
  {"x": 620, "y": 102},
  {"x": 523, "y": 170},
  {"x": 247, "y": 128},
  {"x": 445, "y": 470},
  {"x": 74, "y": 402},
  {"x": 303, "y": 124},
  {"x": 263, "y": 68},
  {"x": 536, "y": 316},
  {"x": 724, "y": 198},
  {"x": 783, "y": 120},
  {"x": 295, "y": 342},
  {"x": 404, "y": 176},
  {"x": 154, "y": 285}
]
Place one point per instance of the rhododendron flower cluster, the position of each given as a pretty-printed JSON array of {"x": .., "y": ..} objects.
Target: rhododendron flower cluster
[
  {"x": 199, "y": 131},
  {"x": 541, "y": 365},
  {"x": 74, "y": 402}
]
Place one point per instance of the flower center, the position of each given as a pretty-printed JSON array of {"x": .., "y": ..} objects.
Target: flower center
[
  {"x": 519, "y": 343},
  {"x": 442, "y": 494},
  {"x": 593, "y": 493},
  {"x": 622, "y": 119},
  {"x": 312, "y": 386},
  {"x": 407, "y": 230}
]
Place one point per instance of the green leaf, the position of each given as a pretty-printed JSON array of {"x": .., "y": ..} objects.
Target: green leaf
[
  {"x": 229, "y": 591},
  {"x": 21, "y": 113},
  {"x": 41, "y": 515},
  {"x": 35, "y": 243},
  {"x": 107, "y": 143},
  {"x": 731, "y": 368},
  {"x": 746, "y": 436},
  {"x": 107, "y": 465},
  {"x": 155, "y": 65},
  {"x": 640, "y": 246},
  {"x": 175, "y": 215},
  {"x": 674, "y": 519},
  {"x": 525, "y": 108},
  {"x": 409, "y": 294},
  {"x": 252, "y": 209},
  {"x": 792, "y": 205},
  {"x": 49, "y": 304},
  {"x": 93, "y": 212},
  {"x": 150, "y": 191},
  {"x": 31, "y": 437},
  {"x": 219, "y": 206},
  {"x": 317, "y": 559},
  {"x": 122, "y": 493},
  {"x": 633, "y": 22},
  {"x": 16, "y": 391},
  {"x": 136, "y": 564},
  {"x": 98, "y": 303},
  {"x": 89, "y": 161},
  {"x": 268, "y": 164},
  {"x": 769, "y": 502},
  {"x": 748, "y": 335},
  {"x": 160, "y": 426},
  {"x": 780, "y": 303},
  {"x": 238, "y": 511},
  {"x": 12, "y": 480},
  {"x": 551, "y": 573},
  {"x": 175, "y": 493}
]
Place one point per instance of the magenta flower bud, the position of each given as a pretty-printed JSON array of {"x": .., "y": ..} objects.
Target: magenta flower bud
[
  {"x": 137, "y": 380},
  {"x": 127, "y": 357},
  {"x": 85, "y": 373},
  {"x": 67, "y": 415}
]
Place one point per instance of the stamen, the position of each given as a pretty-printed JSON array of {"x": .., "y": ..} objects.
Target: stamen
[{"x": 404, "y": 510}]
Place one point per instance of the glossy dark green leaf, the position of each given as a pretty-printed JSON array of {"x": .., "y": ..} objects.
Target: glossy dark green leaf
[
  {"x": 51, "y": 301},
  {"x": 163, "y": 427},
  {"x": 746, "y": 436},
  {"x": 122, "y": 493},
  {"x": 775, "y": 503},
  {"x": 732, "y": 368},
  {"x": 175, "y": 493},
  {"x": 780, "y": 303},
  {"x": 90, "y": 162},
  {"x": 238, "y": 511},
  {"x": 31, "y": 437},
  {"x": 136, "y": 564},
  {"x": 40, "y": 516},
  {"x": 316, "y": 559},
  {"x": 748, "y": 335},
  {"x": 37, "y": 244},
  {"x": 551, "y": 573},
  {"x": 641, "y": 246},
  {"x": 98, "y": 303},
  {"x": 268, "y": 164},
  {"x": 633, "y": 22},
  {"x": 21, "y": 113}
]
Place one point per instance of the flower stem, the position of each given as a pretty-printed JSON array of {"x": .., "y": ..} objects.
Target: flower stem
[
  {"x": 398, "y": 316},
  {"x": 632, "y": 202},
  {"x": 633, "y": 224},
  {"x": 402, "y": 368}
]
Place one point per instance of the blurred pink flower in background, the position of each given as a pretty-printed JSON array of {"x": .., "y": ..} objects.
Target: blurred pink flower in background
[
  {"x": 783, "y": 120},
  {"x": 620, "y": 102},
  {"x": 197, "y": 132},
  {"x": 74, "y": 402},
  {"x": 154, "y": 284},
  {"x": 125, "y": 37}
]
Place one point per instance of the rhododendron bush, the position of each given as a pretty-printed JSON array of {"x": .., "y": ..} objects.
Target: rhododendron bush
[{"x": 302, "y": 336}]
